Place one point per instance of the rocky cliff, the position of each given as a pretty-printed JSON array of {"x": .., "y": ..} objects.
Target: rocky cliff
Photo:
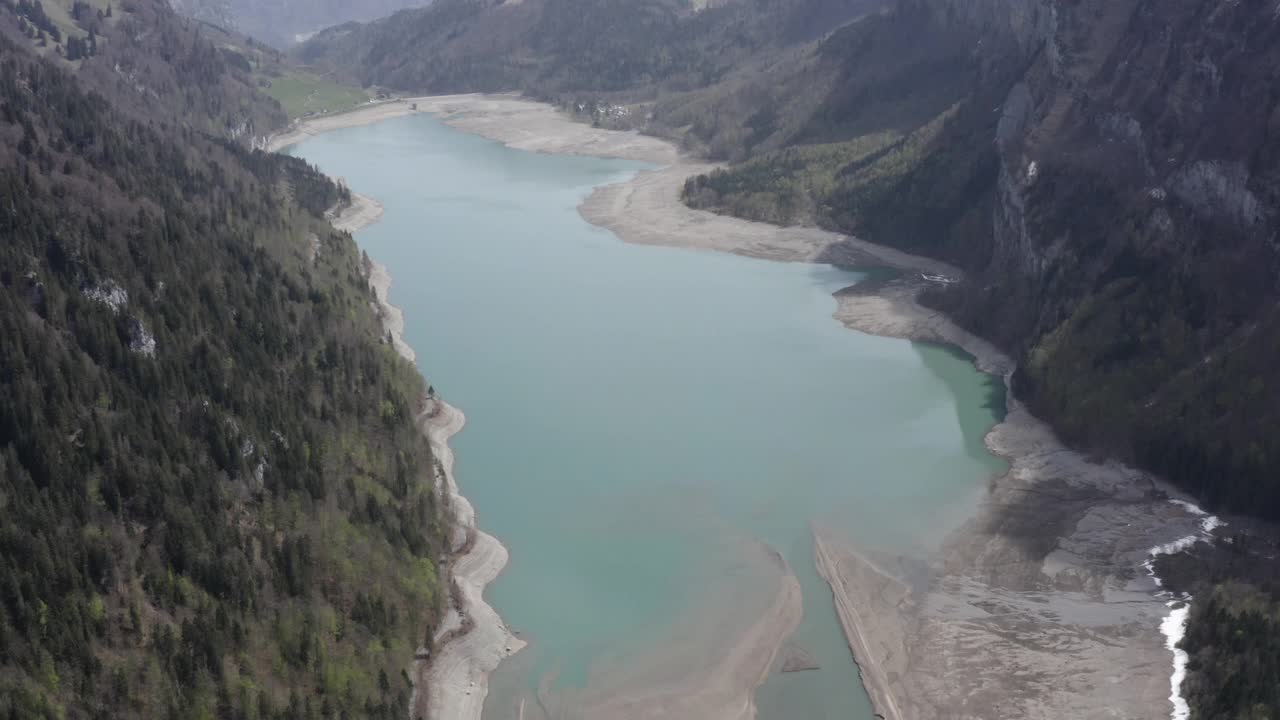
[
  {"x": 1132, "y": 244},
  {"x": 1105, "y": 171}
]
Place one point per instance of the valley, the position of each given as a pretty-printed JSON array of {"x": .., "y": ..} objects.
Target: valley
[{"x": 896, "y": 358}]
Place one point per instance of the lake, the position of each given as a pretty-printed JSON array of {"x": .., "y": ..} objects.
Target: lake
[{"x": 640, "y": 417}]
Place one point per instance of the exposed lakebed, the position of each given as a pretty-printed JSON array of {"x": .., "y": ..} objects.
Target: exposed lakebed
[{"x": 642, "y": 420}]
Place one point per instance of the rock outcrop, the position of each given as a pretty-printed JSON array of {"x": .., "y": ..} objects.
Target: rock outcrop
[{"x": 1133, "y": 258}]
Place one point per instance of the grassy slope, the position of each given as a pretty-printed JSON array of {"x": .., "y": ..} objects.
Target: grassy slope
[
  {"x": 300, "y": 91},
  {"x": 303, "y": 94}
]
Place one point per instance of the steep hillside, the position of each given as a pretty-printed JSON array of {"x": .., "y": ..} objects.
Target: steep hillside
[
  {"x": 1123, "y": 157},
  {"x": 1107, "y": 172},
  {"x": 1134, "y": 240},
  {"x": 556, "y": 49},
  {"x": 282, "y": 23},
  {"x": 300, "y": 91},
  {"x": 902, "y": 90},
  {"x": 216, "y": 499},
  {"x": 1123, "y": 244},
  {"x": 148, "y": 62}
]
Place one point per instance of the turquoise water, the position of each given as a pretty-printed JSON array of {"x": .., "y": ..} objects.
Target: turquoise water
[{"x": 636, "y": 413}]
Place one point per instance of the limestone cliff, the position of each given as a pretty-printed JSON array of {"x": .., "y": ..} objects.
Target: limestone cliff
[{"x": 1132, "y": 251}]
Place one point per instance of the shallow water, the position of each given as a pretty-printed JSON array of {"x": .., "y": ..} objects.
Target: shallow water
[{"x": 637, "y": 415}]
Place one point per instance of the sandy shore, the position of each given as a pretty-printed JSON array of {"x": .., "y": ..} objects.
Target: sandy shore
[
  {"x": 506, "y": 118},
  {"x": 302, "y": 129},
  {"x": 361, "y": 212},
  {"x": 392, "y": 316},
  {"x": 457, "y": 677},
  {"x": 1037, "y": 607}
]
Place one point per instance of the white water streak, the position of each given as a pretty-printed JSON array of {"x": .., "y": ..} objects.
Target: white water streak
[{"x": 1174, "y": 626}]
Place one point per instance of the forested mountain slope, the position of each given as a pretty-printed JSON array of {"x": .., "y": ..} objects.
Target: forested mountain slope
[
  {"x": 559, "y": 48},
  {"x": 150, "y": 63},
  {"x": 216, "y": 501}
]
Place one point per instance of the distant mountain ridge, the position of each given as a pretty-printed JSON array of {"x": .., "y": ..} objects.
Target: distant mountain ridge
[
  {"x": 282, "y": 23},
  {"x": 554, "y": 48}
]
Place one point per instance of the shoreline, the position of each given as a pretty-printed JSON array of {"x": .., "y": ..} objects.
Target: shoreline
[
  {"x": 458, "y": 676},
  {"x": 1056, "y": 543},
  {"x": 300, "y": 130}
]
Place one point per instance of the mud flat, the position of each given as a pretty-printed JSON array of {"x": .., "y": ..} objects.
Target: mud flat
[{"x": 1037, "y": 607}]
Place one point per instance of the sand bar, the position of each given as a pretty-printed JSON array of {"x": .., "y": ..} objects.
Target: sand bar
[{"x": 458, "y": 677}]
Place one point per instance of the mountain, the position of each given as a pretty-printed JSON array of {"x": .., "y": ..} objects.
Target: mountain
[
  {"x": 217, "y": 502},
  {"x": 282, "y": 23},
  {"x": 1105, "y": 171},
  {"x": 1109, "y": 179},
  {"x": 1133, "y": 249},
  {"x": 556, "y": 48},
  {"x": 147, "y": 61}
]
